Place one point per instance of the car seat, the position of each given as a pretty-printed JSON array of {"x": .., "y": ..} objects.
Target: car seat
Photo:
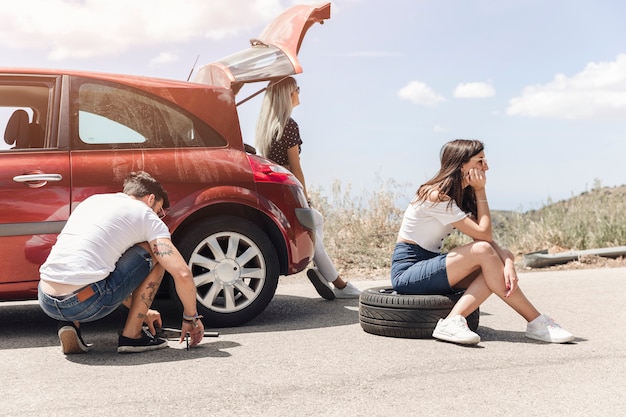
[
  {"x": 36, "y": 135},
  {"x": 22, "y": 134},
  {"x": 17, "y": 131}
]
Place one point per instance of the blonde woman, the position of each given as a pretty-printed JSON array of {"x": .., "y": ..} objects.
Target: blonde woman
[{"x": 278, "y": 139}]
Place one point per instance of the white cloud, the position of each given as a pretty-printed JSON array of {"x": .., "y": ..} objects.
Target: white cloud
[
  {"x": 474, "y": 90},
  {"x": 419, "y": 93},
  {"x": 90, "y": 28},
  {"x": 598, "y": 92},
  {"x": 440, "y": 129},
  {"x": 163, "y": 58}
]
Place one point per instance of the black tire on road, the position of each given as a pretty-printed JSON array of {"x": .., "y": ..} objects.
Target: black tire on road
[
  {"x": 235, "y": 269},
  {"x": 384, "y": 312}
]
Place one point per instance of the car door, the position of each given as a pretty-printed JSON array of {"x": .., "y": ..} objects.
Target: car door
[{"x": 34, "y": 179}]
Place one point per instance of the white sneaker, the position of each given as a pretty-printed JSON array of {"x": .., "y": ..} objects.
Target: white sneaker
[
  {"x": 545, "y": 329},
  {"x": 349, "y": 291},
  {"x": 454, "y": 329}
]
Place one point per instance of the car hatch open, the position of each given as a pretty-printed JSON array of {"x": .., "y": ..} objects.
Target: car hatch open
[{"x": 273, "y": 55}]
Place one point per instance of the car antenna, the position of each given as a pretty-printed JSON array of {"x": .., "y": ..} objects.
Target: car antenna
[{"x": 193, "y": 67}]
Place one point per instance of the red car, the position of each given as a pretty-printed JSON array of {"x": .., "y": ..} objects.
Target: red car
[{"x": 240, "y": 220}]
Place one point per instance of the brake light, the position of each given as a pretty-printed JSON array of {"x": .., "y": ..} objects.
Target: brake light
[{"x": 265, "y": 170}]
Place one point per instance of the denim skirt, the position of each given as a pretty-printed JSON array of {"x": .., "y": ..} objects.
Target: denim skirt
[{"x": 415, "y": 270}]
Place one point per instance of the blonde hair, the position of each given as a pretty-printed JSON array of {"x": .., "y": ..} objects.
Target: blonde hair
[{"x": 275, "y": 113}]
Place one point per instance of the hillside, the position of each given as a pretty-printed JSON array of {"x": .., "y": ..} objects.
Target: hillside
[
  {"x": 360, "y": 235},
  {"x": 591, "y": 220}
]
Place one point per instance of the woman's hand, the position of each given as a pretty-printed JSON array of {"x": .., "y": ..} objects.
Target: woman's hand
[
  {"x": 476, "y": 178},
  {"x": 510, "y": 277}
]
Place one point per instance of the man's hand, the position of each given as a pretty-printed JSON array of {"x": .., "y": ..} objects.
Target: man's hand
[
  {"x": 153, "y": 320},
  {"x": 195, "y": 328}
]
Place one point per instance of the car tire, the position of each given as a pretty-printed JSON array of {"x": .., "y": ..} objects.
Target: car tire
[
  {"x": 384, "y": 312},
  {"x": 235, "y": 269}
]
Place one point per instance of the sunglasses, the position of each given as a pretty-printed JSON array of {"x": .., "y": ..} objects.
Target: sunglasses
[{"x": 162, "y": 213}]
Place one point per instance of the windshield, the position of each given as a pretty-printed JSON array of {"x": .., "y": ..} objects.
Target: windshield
[{"x": 258, "y": 62}]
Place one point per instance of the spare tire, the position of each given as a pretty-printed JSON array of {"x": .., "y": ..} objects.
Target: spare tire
[{"x": 384, "y": 312}]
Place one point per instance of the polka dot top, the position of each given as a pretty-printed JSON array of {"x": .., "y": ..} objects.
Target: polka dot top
[{"x": 290, "y": 138}]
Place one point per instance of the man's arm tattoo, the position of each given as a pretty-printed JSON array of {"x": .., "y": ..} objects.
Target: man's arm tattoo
[{"x": 162, "y": 249}]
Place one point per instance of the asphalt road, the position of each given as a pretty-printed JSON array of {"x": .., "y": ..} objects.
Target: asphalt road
[{"x": 305, "y": 356}]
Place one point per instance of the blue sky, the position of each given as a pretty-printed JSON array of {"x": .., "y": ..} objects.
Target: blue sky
[{"x": 387, "y": 82}]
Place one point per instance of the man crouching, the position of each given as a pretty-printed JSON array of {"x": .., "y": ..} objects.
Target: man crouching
[{"x": 114, "y": 249}]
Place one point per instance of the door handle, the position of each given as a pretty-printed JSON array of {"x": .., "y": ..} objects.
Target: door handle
[{"x": 37, "y": 177}]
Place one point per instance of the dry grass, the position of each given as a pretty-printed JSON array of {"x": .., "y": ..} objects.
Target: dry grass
[{"x": 360, "y": 232}]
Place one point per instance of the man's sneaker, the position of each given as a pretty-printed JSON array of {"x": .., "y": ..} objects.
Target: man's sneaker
[
  {"x": 322, "y": 286},
  {"x": 454, "y": 329},
  {"x": 545, "y": 329},
  {"x": 71, "y": 339},
  {"x": 145, "y": 343},
  {"x": 349, "y": 291}
]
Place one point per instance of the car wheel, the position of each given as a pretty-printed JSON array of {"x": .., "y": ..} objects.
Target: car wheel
[
  {"x": 235, "y": 269},
  {"x": 384, "y": 312}
]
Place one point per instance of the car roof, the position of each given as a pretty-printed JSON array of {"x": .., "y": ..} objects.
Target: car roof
[
  {"x": 193, "y": 97},
  {"x": 136, "y": 80}
]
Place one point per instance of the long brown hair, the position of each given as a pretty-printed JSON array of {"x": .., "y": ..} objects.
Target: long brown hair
[{"x": 449, "y": 180}]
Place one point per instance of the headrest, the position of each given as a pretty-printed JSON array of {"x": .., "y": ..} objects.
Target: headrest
[{"x": 16, "y": 131}]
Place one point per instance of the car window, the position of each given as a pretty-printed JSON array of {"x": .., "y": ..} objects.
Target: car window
[
  {"x": 23, "y": 114},
  {"x": 121, "y": 117},
  {"x": 96, "y": 129}
]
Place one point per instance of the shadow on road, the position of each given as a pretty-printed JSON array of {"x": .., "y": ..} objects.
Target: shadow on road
[{"x": 24, "y": 325}]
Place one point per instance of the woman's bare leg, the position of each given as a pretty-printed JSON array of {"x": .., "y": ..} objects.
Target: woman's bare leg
[{"x": 481, "y": 264}]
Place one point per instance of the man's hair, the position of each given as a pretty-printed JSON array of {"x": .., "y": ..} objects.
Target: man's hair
[{"x": 140, "y": 184}]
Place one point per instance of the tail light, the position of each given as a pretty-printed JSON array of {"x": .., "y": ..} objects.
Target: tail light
[{"x": 265, "y": 170}]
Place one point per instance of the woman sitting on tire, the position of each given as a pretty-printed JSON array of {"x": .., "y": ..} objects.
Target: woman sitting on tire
[{"x": 456, "y": 198}]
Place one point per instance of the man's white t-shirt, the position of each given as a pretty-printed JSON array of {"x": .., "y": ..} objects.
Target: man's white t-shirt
[
  {"x": 428, "y": 224},
  {"x": 96, "y": 235}
]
